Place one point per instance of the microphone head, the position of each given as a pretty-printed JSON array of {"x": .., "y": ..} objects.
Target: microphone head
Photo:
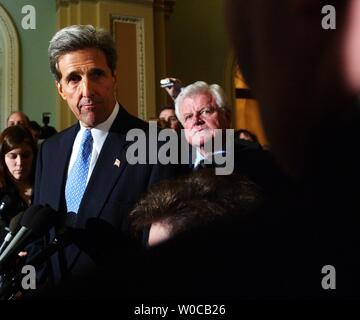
[
  {"x": 40, "y": 219},
  {"x": 15, "y": 223},
  {"x": 30, "y": 215},
  {"x": 6, "y": 206},
  {"x": 6, "y": 201}
]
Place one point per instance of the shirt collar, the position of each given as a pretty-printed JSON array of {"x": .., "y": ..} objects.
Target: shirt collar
[
  {"x": 100, "y": 132},
  {"x": 200, "y": 157}
]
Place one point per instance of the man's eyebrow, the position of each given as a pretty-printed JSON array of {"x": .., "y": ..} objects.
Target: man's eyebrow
[
  {"x": 204, "y": 107},
  {"x": 212, "y": 108},
  {"x": 97, "y": 70}
]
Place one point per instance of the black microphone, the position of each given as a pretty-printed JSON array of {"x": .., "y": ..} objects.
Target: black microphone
[
  {"x": 6, "y": 204},
  {"x": 64, "y": 235},
  {"x": 62, "y": 239},
  {"x": 37, "y": 220},
  {"x": 14, "y": 227}
]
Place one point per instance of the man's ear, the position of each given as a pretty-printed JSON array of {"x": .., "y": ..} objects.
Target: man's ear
[{"x": 59, "y": 89}]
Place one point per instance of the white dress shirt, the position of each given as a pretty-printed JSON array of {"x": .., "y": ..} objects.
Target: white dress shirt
[
  {"x": 200, "y": 157},
  {"x": 99, "y": 134}
]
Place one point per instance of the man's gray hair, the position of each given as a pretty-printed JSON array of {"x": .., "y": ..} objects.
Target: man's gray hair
[
  {"x": 78, "y": 37},
  {"x": 200, "y": 87}
]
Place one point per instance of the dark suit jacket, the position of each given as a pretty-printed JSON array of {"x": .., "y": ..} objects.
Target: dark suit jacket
[
  {"x": 253, "y": 162},
  {"x": 111, "y": 193}
]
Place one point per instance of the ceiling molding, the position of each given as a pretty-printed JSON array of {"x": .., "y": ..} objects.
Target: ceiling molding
[{"x": 65, "y": 3}]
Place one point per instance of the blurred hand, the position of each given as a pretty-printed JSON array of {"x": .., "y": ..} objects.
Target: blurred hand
[{"x": 174, "y": 90}]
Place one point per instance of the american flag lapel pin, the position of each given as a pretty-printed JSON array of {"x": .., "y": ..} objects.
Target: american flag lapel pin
[{"x": 117, "y": 163}]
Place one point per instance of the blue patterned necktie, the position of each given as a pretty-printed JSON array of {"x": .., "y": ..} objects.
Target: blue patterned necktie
[{"x": 76, "y": 181}]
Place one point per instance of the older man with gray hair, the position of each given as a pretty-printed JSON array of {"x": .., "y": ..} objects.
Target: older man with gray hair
[
  {"x": 203, "y": 112},
  {"x": 83, "y": 170},
  {"x": 202, "y": 109},
  {"x": 206, "y": 117}
]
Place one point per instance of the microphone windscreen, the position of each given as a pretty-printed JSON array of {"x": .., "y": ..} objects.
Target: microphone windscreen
[
  {"x": 6, "y": 200},
  {"x": 30, "y": 214},
  {"x": 6, "y": 203},
  {"x": 43, "y": 220},
  {"x": 15, "y": 225}
]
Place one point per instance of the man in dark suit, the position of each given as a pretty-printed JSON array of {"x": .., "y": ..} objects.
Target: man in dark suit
[
  {"x": 85, "y": 170},
  {"x": 204, "y": 113}
]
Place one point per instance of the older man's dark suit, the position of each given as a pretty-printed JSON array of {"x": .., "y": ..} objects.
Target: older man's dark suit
[{"x": 112, "y": 191}]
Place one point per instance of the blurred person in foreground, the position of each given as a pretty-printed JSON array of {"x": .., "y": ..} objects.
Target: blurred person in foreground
[
  {"x": 171, "y": 208},
  {"x": 306, "y": 86}
]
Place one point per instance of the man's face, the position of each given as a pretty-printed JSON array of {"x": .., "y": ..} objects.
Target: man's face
[
  {"x": 17, "y": 118},
  {"x": 201, "y": 116},
  {"x": 87, "y": 85},
  {"x": 169, "y": 116}
]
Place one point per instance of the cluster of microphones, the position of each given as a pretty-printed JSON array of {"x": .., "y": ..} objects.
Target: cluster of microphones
[
  {"x": 24, "y": 228},
  {"x": 56, "y": 231}
]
